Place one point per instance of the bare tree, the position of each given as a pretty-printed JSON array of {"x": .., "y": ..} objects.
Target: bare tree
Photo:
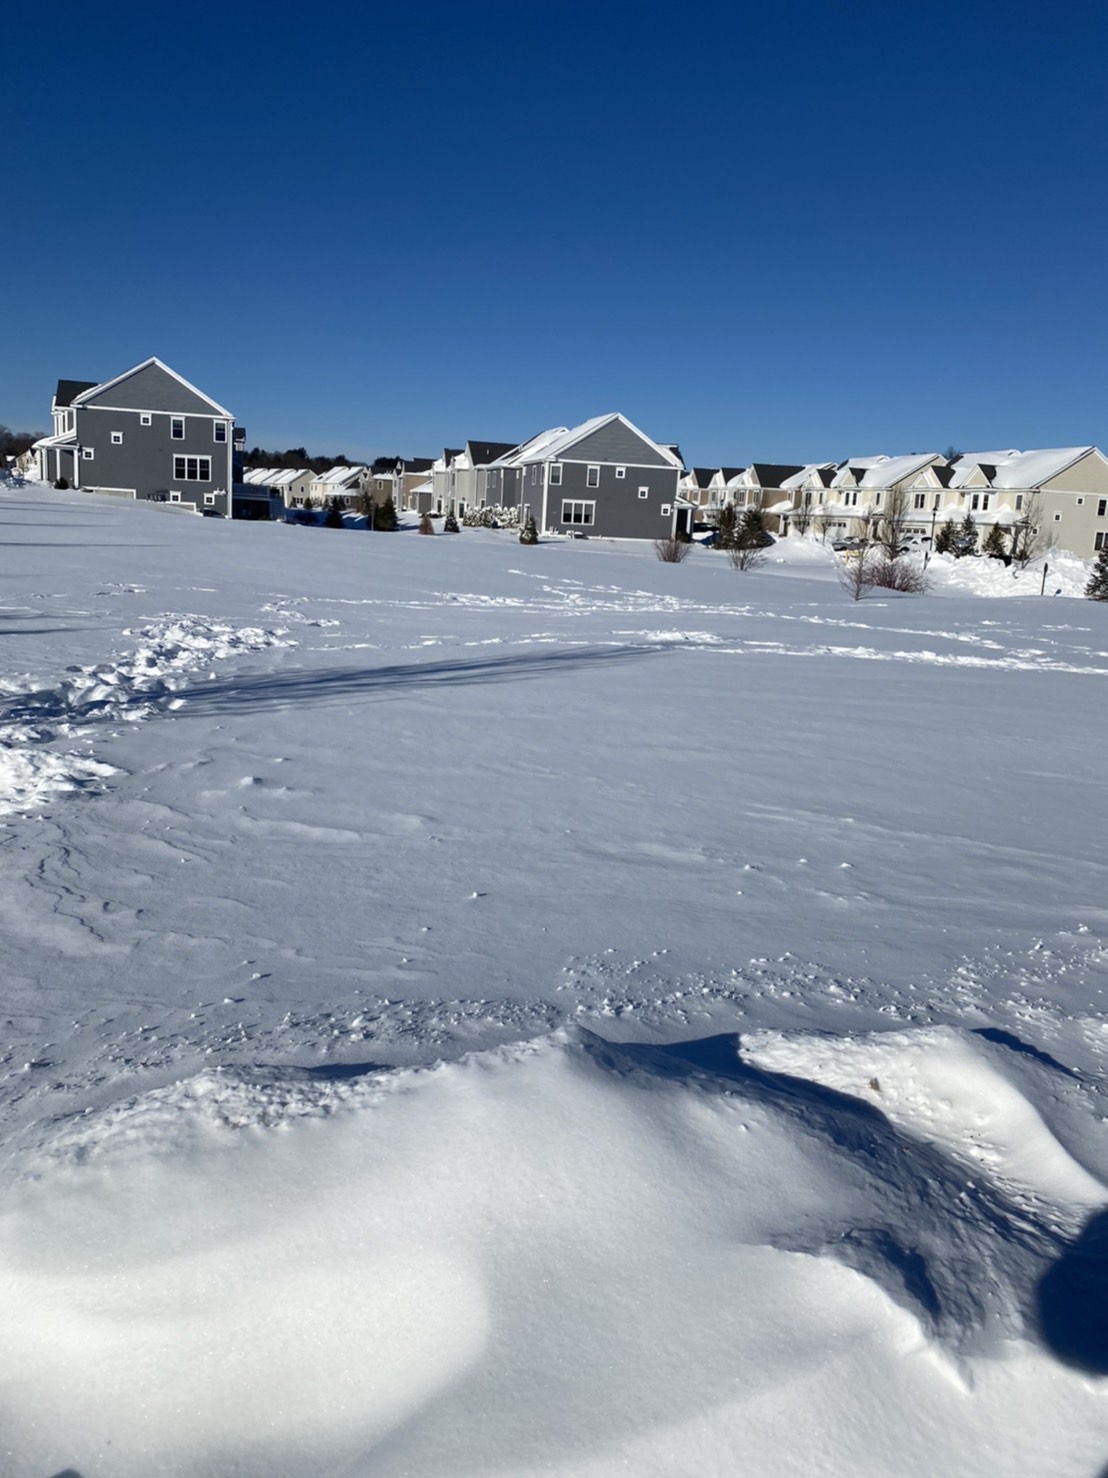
[
  {"x": 1030, "y": 536},
  {"x": 891, "y": 525},
  {"x": 746, "y": 557},
  {"x": 672, "y": 551}
]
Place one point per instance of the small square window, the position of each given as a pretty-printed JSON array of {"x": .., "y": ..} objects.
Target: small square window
[
  {"x": 665, "y": 510},
  {"x": 174, "y": 497},
  {"x": 88, "y": 453},
  {"x": 1057, "y": 518},
  {"x": 145, "y": 418},
  {"x": 621, "y": 471},
  {"x": 1081, "y": 502},
  {"x": 592, "y": 477},
  {"x": 644, "y": 492},
  {"x": 117, "y": 438},
  {"x": 177, "y": 428},
  {"x": 209, "y": 499}
]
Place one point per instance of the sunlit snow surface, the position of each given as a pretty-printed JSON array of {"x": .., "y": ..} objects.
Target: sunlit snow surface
[{"x": 472, "y": 1009}]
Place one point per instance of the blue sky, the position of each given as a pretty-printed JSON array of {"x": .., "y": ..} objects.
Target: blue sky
[{"x": 776, "y": 230}]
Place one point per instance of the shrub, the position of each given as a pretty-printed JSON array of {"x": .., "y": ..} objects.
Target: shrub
[
  {"x": 62, "y": 483},
  {"x": 892, "y": 572},
  {"x": 450, "y": 525},
  {"x": 671, "y": 551},
  {"x": 529, "y": 534},
  {"x": 334, "y": 515},
  {"x": 425, "y": 525},
  {"x": 746, "y": 557}
]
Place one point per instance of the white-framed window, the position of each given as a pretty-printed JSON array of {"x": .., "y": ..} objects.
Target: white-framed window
[
  {"x": 975, "y": 502},
  {"x": 666, "y": 510},
  {"x": 938, "y": 500},
  {"x": 117, "y": 438},
  {"x": 219, "y": 430},
  {"x": 174, "y": 497},
  {"x": 1081, "y": 502},
  {"x": 1100, "y": 541},
  {"x": 192, "y": 469},
  {"x": 88, "y": 453},
  {"x": 145, "y": 418},
  {"x": 1101, "y": 507},
  {"x": 555, "y": 474},
  {"x": 919, "y": 500},
  {"x": 621, "y": 471},
  {"x": 1057, "y": 518},
  {"x": 578, "y": 511},
  {"x": 209, "y": 500},
  {"x": 644, "y": 492},
  {"x": 177, "y": 428},
  {"x": 877, "y": 500},
  {"x": 592, "y": 477}
]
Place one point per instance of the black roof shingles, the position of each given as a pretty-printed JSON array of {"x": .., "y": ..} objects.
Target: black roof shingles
[{"x": 68, "y": 390}]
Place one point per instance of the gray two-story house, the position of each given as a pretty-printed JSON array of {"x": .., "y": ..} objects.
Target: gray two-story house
[
  {"x": 604, "y": 476},
  {"x": 148, "y": 434}
]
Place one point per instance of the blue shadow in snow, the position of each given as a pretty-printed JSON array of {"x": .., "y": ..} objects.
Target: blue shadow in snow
[
  {"x": 254, "y": 693},
  {"x": 1072, "y": 1300},
  {"x": 1008, "y": 1039}
]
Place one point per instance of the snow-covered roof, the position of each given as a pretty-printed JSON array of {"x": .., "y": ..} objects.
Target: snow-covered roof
[
  {"x": 340, "y": 476},
  {"x": 1030, "y": 469},
  {"x": 549, "y": 445},
  {"x": 891, "y": 470},
  {"x": 799, "y": 479}
]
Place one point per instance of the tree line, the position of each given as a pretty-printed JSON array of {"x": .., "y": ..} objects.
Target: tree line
[
  {"x": 297, "y": 457},
  {"x": 15, "y": 443}
]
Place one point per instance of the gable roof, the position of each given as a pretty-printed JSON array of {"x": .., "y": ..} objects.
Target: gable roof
[
  {"x": 481, "y": 453},
  {"x": 68, "y": 390},
  {"x": 94, "y": 392},
  {"x": 1030, "y": 469},
  {"x": 549, "y": 445},
  {"x": 773, "y": 474},
  {"x": 897, "y": 469}
]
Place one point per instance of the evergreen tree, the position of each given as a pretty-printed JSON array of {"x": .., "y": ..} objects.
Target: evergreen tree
[
  {"x": 425, "y": 525},
  {"x": 751, "y": 531},
  {"x": 529, "y": 534},
  {"x": 62, "y": 483},
  {"x": 450, "y": 525},
  {"x": 385, "y": 519},
  {"x": 944, "y": 539},
  {"x": 994, "y": 544},
  {"x": 727, "y": 526},
  {"x": 1097, "y": 588},
  {"x": 964, "y": 537},
  {"x": 334, "y": 515}
]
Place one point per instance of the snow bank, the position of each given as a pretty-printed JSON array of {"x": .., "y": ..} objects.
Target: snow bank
[{"x": 563, "y": 1257}]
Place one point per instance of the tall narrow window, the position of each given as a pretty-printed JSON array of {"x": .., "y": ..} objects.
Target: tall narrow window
[
  {"x": 220, "y": 430},
  {"x": 555, "y": 474},
  {"x": 592, "y": 477},
  {"x": 177, "y": 428}
]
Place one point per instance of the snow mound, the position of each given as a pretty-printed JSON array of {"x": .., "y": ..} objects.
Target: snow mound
[
  {"x": 33, "y": 716},
  {"x": 437, "y": 1270}
]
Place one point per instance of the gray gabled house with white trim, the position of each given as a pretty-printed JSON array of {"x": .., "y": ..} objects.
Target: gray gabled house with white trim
[
  {"x": 146, "y": 434},
  {"x": 603, "y": 477}
]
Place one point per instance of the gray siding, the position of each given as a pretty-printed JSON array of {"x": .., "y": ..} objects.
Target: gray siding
[
  {"x": 616, "y": 443},
  {"x": 144, "y": 462},
  {"x": 151, "y": 389},
  {"x": 620, "y": 513}
]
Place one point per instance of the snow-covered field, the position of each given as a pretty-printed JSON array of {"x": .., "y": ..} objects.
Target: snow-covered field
[{"x": 479, "y": 1010}]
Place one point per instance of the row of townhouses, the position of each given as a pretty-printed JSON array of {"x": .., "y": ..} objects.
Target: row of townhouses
[{"x": 150, "y": 435}]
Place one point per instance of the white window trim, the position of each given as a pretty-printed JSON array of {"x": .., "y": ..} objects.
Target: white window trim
[
  {"x": 666, "y": 510},
  {"x": 88, "y": 453},
  {"x": 621, "y": 471},
  {"x": 145, "y": 418},
  {"x": 591, "y": 480},
  {"x": 555, "y": 474},
  {"x": 218, "y": 426},
  {"x": 117, "y": 438},
  {"x": 174, "y": 497},
  {"x": 209, "y": 500},
  {"x": 588, "y": 507},
  {"x": 644, "y": 492},
  {"x": 180, "y": 475},
  {"x": 175, "y": 421}
]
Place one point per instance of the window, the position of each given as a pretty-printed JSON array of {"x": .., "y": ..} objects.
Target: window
[
  {"x": 555, "y": 474},
  {"x": 644, "y": 492},
  {"x": 592, "y": 477},
  {"x": 576, "y": 511},
  {"x": 209, "y": 499},
  {"x": 174, "y": 497},
  {"x": 877, "y": 501},
  {"x": 665, "y": 510},
  {"x": 1101, "y": 507},
  {"x": 1100, "y": 541},
  {"x": 1057, "y": 518},
  {"x": 985, "y": 497},
  {"x": 621, "y": 471},
  {"x": 145, "y": 418},
  {"x": 1019, "y": 501},
  {"x": 938, "y": 499},
  {"x": 1081, "y": 502},
  {"x": 87, "y": 453},
  {"x": 975, "y": 502},
  {"x": 919, "y": 500},
  {"x": 219, "y": 429},
  {"x": 117, "y": 438},
  {"x": 192, "y": 469},
  {"x": 177, "y": 428},
  {"x": 807, "y": 500}
]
